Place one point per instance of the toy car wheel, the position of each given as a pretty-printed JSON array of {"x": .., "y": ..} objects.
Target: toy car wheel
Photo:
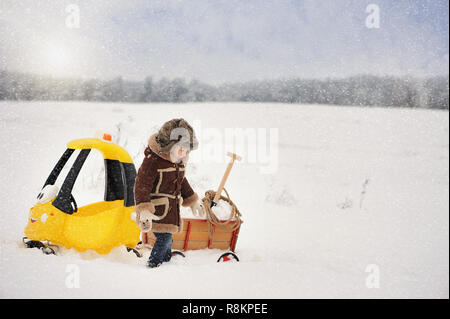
[
  {"x": 32, "y": 243},
  {"x": 136, "y": 250},
  {"x": 48, "y": 251}
]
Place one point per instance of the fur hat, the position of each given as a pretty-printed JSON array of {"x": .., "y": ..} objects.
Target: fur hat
[{"x": 173, "y": 132}]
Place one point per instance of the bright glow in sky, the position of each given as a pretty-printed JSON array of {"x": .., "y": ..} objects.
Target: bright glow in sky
[
  {"x": 57, "y": 60},
  {"x": 224, "y": 40}
]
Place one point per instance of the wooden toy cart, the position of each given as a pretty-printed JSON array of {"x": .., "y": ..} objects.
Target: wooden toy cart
[
  {"x": 200, "y": 234},
  {"x": 196, "y": 235},
  {"x": 209, "y": 233}
]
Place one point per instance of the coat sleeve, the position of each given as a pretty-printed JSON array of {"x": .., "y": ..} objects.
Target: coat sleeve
[
  {"x": 188, "y": 194},
  {"x": 144, "y": 184}
]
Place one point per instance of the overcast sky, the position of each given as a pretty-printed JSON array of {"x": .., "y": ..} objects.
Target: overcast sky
[{"x": 223, "y": 41}]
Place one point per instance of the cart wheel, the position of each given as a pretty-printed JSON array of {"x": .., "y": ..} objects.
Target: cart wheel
[
  {"x": 226, "y": 257},
  {"x": 177, "y": 252}
]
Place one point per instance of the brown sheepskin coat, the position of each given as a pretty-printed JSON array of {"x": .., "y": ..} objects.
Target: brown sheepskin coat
[{"x": 161, "y": 188}]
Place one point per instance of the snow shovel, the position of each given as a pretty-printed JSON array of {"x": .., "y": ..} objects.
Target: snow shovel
[{"x": 224, "y": 178}]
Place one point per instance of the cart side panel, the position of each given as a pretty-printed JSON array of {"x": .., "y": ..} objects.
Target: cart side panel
[
  {"x": 197, "y": 244},
  {"x": 178, "y": 244},
  {"x": 202, "y": 225},
  {"x": 204, "y": 235},
  {"x": 223, "y": 245},
  {"x": 195, "y": 235}
]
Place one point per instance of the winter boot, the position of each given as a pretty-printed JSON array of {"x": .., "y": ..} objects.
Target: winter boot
[{"x": 151, "y": 264}]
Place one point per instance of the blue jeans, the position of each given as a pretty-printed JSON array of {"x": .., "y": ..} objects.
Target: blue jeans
[{"x": 162, "y": 249}]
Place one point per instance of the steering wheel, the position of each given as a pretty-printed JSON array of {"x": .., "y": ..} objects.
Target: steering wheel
[{"x": 72, "y": 201}]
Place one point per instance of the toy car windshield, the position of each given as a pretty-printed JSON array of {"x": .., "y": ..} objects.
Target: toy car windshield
[{"x": 119, "y": 180}]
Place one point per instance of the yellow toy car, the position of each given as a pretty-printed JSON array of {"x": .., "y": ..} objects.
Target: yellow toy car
[{"x": 56, "y": 220}]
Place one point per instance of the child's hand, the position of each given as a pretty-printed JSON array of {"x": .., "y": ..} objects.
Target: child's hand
[{"x": 197, "y": 209}]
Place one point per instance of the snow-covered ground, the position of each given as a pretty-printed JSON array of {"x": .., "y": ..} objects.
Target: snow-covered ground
[{"x": 354, "y": 197}]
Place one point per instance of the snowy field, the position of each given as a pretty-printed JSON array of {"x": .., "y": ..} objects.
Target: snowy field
[{"x": 354, "y": 196}]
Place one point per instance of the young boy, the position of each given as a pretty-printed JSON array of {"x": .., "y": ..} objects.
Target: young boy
[{"x": 161, "y": 187}]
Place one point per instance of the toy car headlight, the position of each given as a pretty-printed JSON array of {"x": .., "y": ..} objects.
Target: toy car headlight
[{"x": 48, "y": 193}]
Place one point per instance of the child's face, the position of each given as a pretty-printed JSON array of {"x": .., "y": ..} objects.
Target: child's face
[{"x": 178, "y": 153}]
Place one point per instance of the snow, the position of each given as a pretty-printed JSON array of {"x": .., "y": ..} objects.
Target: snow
[
  {"x": 354, "y": 190},
  {"x": 222, "y": 210}
]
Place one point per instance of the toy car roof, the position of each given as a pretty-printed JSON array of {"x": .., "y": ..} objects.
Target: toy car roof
[{"x": 109, "y": 150}]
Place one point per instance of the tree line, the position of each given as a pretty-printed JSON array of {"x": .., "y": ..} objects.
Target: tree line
[{"x": 362, "y": 90}]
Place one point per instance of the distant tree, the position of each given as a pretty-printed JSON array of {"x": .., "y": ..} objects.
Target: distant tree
[
  {"x": 178, "y": 90},
  {"x": 148, "y": 90},
  {"x": 361, "y": 90},
  {"x": 438, "y": 93}
]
